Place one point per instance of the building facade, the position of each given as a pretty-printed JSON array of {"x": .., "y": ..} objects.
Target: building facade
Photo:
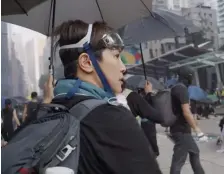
[
  {"x": 22, "y": 61},
  {"x": 160, "y": 4},
  {"x": 206, "y": 19},
  {"x": 220, "y": 5}
]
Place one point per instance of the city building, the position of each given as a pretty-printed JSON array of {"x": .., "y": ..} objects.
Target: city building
[
  {"x": 195, "y": 3},
  {"x": 160, "y": 4},
  {"x": 156, "y": 48},
  {"x": 206, "y": 19},
  {"x": 6, "y": 87},
  {"x": 212, "y": 3},
  {"x": 22, "y": 60},
  {"x": 220, "y": 4}
]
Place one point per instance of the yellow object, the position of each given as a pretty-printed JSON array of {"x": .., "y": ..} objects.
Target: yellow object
[
  {"x": 28, "y": 97},
  {"x": 222, "y": 94}
]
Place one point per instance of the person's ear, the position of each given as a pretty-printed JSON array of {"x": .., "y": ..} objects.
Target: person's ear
[{"x": 85, "y": 64}]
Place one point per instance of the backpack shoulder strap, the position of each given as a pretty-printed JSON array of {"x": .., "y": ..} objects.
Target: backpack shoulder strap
[{"x": 82, "y": 109}]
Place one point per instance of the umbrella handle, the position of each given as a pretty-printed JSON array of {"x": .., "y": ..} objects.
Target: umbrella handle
[
  {"x": 143, "y": 62},
  {"x": 51, "y": 70}
]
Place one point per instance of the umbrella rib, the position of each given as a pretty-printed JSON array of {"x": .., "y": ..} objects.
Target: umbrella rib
[
  {"x": 20, "y": 6},
  {"x": 147, "y": 9},
  {"x": 49, "y": 20},
  {"x": 101, "y": 14},
  {"x": 155, "y": 17}
]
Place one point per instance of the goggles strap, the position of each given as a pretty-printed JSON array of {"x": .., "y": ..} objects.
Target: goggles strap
[{"x": 102, "y": 77}]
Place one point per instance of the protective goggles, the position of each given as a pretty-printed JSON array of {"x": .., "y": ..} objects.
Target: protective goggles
[{"x": 109, "y": 40}]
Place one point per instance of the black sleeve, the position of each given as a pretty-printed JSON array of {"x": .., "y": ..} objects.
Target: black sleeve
[
  {"x": 122, "y": 146},
  {"x": 221, "y": 123},
  {"x": 181, "y": 93},
  {"x": 139, "y": 106}
]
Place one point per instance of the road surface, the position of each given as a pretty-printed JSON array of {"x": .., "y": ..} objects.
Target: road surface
[{"x": 213, "y": 162}]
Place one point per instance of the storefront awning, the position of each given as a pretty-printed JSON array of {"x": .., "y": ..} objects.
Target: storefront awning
[{"x": 184, "y": 56}]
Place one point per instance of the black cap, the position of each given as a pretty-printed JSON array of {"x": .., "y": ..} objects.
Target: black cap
[
  {"x": 8, "y": 102},
  {"x": 185, "y": 72}
]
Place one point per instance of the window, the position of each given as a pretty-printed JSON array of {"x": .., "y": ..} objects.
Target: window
[
  {"x": 211, "y": 23},
  {"x": 213, "y": 39},
  {"x": 210, "y": 15},
  {"x": 162, "y": 49},
  {"x": 169, "y": 47},
  {"x": 151, "y": 53},
  {"x": 145, "y": 45},
  {"x": 156, "y": 52}
]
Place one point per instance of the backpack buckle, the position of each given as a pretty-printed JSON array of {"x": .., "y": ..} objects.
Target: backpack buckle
[{"x": 65, "y": 152}]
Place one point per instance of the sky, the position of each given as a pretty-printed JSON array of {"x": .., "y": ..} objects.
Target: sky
[{"x": 25, "y": 32}]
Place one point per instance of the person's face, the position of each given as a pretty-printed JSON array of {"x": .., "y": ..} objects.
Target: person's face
[{"x": 113, "y": 69}]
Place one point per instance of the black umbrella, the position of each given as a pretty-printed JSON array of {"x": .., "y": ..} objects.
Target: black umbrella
[
  {"x": 54, "y": 12},
  {"x": 12, "y": 7},
  {"x": 159, "y": 25},
  {"x": 137, "y": 81}
]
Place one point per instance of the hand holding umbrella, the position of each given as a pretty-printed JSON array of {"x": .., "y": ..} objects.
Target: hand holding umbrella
[
  {"x": 48, "y": 90},
  {"x": 148, "y": 87}
]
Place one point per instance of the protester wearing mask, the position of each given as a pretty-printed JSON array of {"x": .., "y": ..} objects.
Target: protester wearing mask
[
  {"x": 140, "y": 105},
  {"x": 181, "y": 129},
  {"x": 110, "y": 139}
]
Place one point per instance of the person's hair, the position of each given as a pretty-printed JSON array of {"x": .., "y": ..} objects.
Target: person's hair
[
  {"x": 34, "y": 95},
  {"x": 72, "y": 32}
]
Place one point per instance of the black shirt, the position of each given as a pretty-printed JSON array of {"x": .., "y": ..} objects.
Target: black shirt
[
  {"x": 112, "y": 142},
  {"x": 179, "y": 97},
  {"x": 7, "y": 114},
  {"x": 140, "y": 107},
  {"x": 31, "y": 111}
]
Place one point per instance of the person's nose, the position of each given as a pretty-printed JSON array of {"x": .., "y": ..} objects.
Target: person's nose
[{"x": 122, "y": 67}]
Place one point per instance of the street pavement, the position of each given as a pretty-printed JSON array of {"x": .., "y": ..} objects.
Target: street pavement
[{"x": 213, "y": 162}]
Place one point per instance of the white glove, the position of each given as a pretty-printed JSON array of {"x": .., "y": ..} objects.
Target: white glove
[{"x": 202, "y": 137}]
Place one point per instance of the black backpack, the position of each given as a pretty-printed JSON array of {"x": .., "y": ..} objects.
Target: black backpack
[
  {"x": 50, "y": 140},
  {"x": 162, "y": 101}
]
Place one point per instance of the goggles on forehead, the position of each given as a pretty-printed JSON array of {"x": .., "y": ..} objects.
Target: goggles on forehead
[{"x": 110, "y": 40}]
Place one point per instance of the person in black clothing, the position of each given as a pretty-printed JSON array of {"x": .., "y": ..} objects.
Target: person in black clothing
[
  {"x": 139, "y": 107},
  {"x": 220, "y": 140},
  {"x": 9, "y": 115},
  {"x": 29, "y": 112},
  {"x": 181, "y": 130},
  {"x": 206, "y": 111},
  {"x": 111, "y": 140}
]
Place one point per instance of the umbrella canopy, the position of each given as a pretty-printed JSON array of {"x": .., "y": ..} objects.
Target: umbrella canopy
[
  {"x": 176, "y": 22},
  {"x": 112, "y": 12},
  {"x": 135, "y": 82},
  {"x": 144, "y": 29},
  {"x": 19, "y": 100},
  {"x": 161, "y": 24},
  {"x": 3, "y": 101},
  {"x": 196, "y": 93},
  {"x": 11, "y": 7},
  {"x": 171, "y": 82},
  {"x": 213, "y": 97}
]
